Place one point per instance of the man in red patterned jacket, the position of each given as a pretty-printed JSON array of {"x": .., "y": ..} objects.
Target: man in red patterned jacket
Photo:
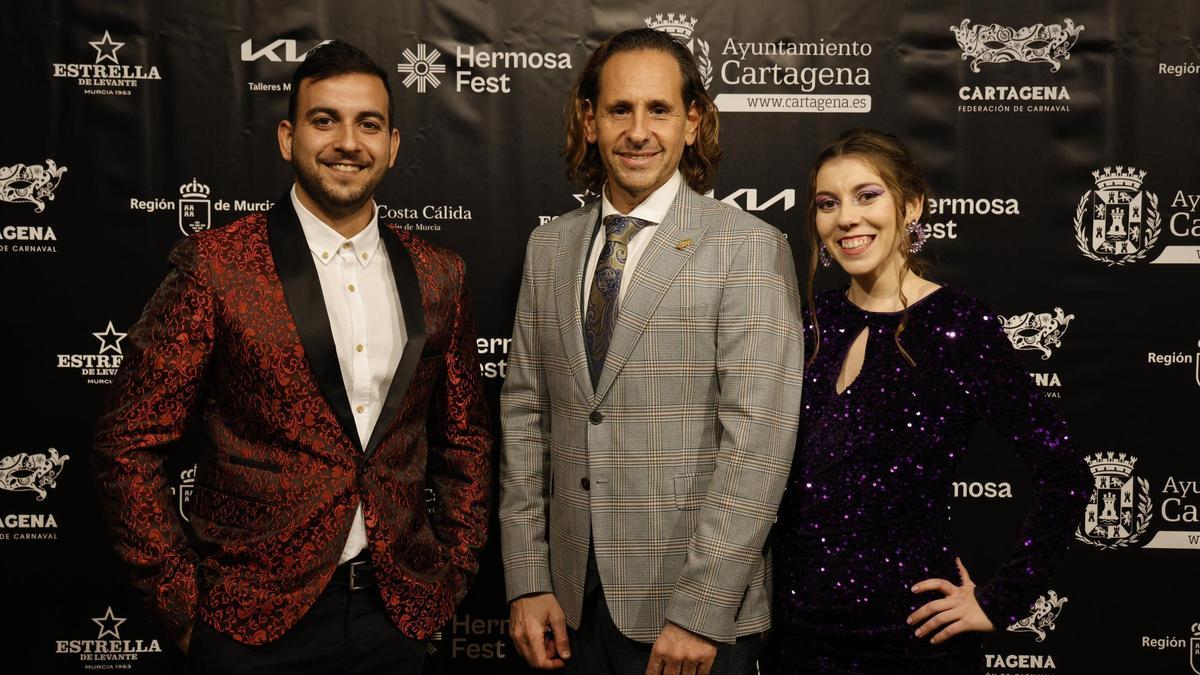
[{"x": 332, "y": 362}]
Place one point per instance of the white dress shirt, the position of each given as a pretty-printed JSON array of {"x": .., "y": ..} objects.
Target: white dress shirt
[
  {"x": 653, "y": 210},
  {"x": 367, "y": 324}
]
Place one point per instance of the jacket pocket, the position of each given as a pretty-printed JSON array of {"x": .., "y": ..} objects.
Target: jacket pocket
[
  {"x": 690, "y": 490},
  {"x": 234, "y": 510},
  {"x": 255, "y": 463}
]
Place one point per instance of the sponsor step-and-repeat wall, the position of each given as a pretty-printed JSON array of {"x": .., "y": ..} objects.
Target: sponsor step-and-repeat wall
[{"x": 1060, "y": 139}]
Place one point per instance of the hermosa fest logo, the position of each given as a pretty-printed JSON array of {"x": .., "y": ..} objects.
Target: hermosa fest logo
[{"x": 423, "y": 67}]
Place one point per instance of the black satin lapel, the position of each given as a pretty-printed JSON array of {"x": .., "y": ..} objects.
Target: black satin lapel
[
  {"x": 413, "y": 308},
  {"x": 302, "y": 288}
]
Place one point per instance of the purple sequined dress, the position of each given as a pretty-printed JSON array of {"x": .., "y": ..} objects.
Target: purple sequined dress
[{"x": 866, "y": 514}]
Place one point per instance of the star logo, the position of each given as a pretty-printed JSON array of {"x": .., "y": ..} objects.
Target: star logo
[
  {"x": 421, "y": 68},
  {"x": 107, "y": 49},
  {"x": 110, "y": 339},
  {"x": 109, "y": 625}
]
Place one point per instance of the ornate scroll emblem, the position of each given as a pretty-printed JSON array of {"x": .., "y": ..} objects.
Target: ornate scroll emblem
[
  {"x": 1045, "y": 612},
  {"x": 681, "y": 28},
  {"x": 34, "y": 184},
  {"x": 31, "y": 473},
  {"x": 1038, "y": 43},
  {"x": 1118, "y": 512},
  {"x": 1124, "y": 223},
  {"x": 1036, "y": 331}
]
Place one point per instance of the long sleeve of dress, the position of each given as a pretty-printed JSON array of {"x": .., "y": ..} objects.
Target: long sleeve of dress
[{"x": 1007, "y": 400}]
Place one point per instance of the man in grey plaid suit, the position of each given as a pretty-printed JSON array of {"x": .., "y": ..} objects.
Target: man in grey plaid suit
[{"x": 653, "y": 390}]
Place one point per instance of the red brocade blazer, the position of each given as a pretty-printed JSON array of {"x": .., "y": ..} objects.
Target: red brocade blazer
[{"x": 238, "y": 330}]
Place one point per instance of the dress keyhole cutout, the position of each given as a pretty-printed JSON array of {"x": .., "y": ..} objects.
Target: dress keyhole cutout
[{"x": 853, "y": 363}]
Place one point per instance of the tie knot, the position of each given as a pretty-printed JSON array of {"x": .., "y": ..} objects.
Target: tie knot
[{"x": 621, "y": 228}]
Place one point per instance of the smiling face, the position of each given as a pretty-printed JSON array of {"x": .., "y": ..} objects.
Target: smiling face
[
  {"x": 640, "y": 124},
  {"x": 857, "y": 219},
  {"x": 340, "y": 145}
]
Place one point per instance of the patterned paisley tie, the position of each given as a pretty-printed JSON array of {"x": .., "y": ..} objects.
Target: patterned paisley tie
[{"x": 601, "y": 315}]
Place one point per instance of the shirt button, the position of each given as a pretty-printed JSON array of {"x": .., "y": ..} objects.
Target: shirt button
[
  {"x": 585, "y": 483},
  {"x": 358, "y": 348},
  {"x": 596, "y": 417},
  {"x": 364, "y": 256},
  {"x": 346, "y": 245},
  {"x": 351, "y": 287},
  {"x": 360, "y": 408},
  {"x": 325, "y": 254}
]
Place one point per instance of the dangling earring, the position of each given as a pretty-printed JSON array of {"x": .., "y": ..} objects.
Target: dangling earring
[
  {"x": 823, "y": 256},
  {"x": 916, "y": 236}
]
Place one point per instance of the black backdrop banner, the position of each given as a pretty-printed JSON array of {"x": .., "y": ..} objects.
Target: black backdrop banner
[{"x": 1060, "y": 138}]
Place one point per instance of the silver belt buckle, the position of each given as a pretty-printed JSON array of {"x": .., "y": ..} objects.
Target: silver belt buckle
[{"x": 354, "y": 586}]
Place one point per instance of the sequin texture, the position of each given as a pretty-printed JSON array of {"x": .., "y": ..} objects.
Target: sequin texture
[{"x": 867, "y": 511}]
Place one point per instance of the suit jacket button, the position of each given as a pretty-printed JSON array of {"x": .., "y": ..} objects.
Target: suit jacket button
[
  {"x": 596, "y": 417},
  {"x": 585, "y": 483}
]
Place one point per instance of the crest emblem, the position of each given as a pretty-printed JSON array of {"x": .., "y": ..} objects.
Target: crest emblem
[
  {"x": 681, "y": 27},
  {"x": 195, "y": 208},
  {"x": 1038, "y": 43},
  {"x": 1194, "y": 649},
  {"x": 1118, "y": 222},
  {"x": 1045, "y": 612},
  {"x": 1036, "y": 331},
  {"x": 183, "y": 492},
  {"x": 1118, "y": 512},
  {"x": 30, "y": 183},
  {"x": 31, "y": 473}
]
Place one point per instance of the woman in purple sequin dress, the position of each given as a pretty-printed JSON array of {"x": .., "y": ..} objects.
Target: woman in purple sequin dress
[{"x": 900, "y": 371}]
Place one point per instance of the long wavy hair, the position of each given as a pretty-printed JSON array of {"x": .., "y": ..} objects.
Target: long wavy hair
[
  {"x": 903, "y": 178},
  {"x": 700, "y": 159}
]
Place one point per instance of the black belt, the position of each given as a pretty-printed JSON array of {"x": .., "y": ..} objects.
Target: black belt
[{"x": 354, "y": 574}]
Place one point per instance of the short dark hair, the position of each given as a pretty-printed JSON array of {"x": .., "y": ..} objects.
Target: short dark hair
[
  {"x": 700, "y": 159},
  {"x": 333, "y": 58}
]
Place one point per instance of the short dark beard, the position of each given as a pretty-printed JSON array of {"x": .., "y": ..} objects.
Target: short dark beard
[{"x": 335, "y": 205}]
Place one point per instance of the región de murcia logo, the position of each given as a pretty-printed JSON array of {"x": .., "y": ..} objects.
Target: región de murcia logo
[
  {"x": 1038, "y": 43},
  {"x": 1039, "y": 332},
  {"x": 1045, "y": 611},
  {"x": 1118, "y": 222},
  {"x": 195, "y": 208},
  {"x": 34, "y": 183},
  {"x": 31, "y": 472},
  {"x": 1118, "y": 512},
  {"x": 681, "y": 27}
]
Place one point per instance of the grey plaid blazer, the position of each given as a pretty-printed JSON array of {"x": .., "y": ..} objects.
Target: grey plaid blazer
[{"x": 675, "y": 464}]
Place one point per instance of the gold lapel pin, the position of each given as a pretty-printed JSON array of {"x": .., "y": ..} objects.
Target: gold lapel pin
[{"x": 683, "y": 243}]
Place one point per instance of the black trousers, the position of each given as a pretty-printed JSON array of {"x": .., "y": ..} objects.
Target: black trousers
[
  {"x": 346, "y": 632},
  {"x": 599, "y": 647}
]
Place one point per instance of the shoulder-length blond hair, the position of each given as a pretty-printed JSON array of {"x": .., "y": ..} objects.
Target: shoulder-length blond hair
[{"x": 700, "y": 159}]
